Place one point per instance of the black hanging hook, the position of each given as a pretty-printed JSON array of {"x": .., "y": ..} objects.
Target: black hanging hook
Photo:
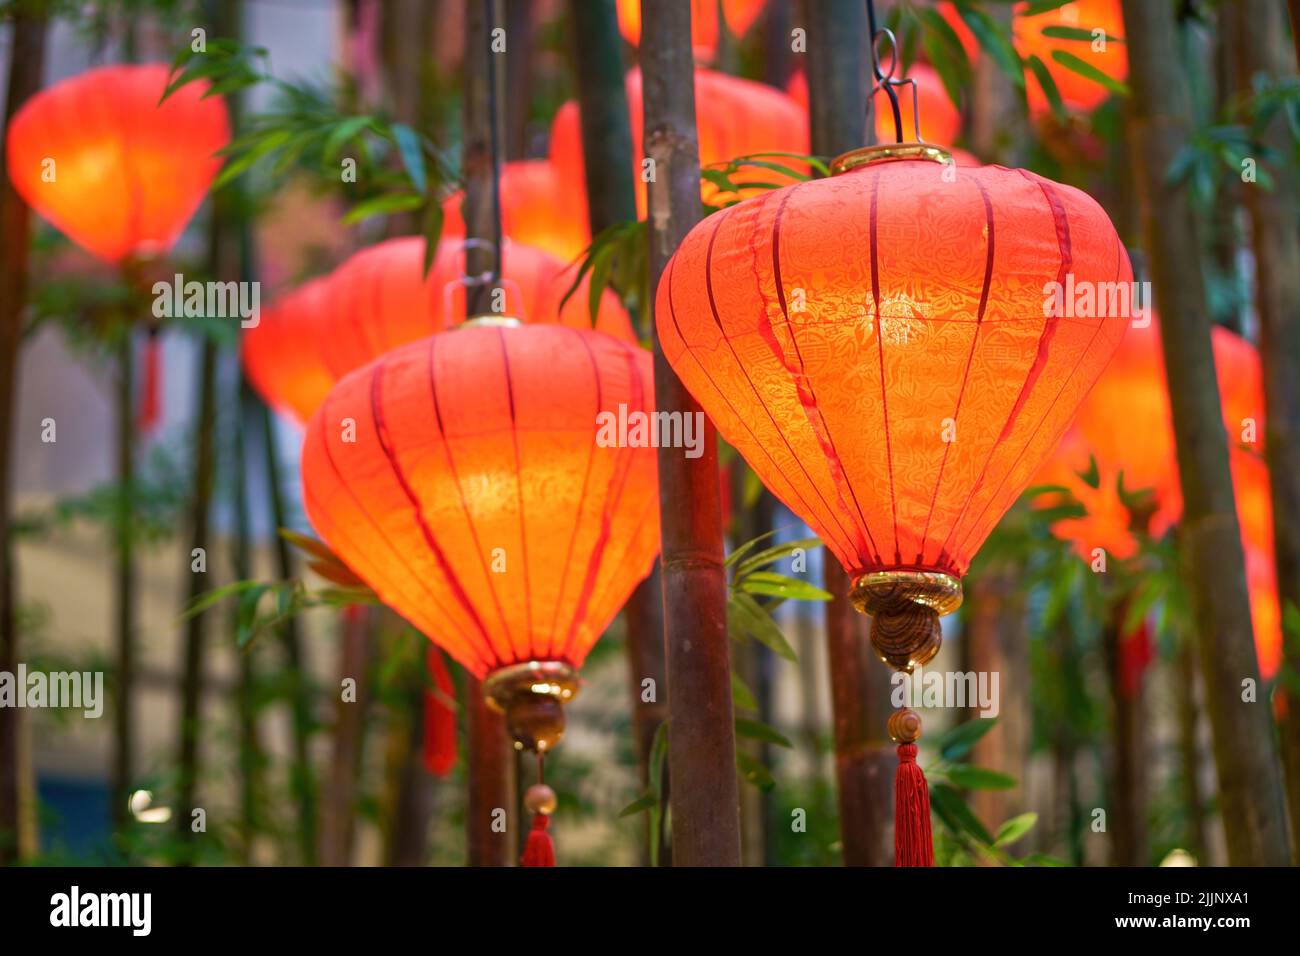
[{"x": 885, "y": 80}]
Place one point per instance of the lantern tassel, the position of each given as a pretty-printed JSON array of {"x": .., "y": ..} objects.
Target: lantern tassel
[
  {"x": 149, "y": 410},
  {"x": 913, "y": 842},
  {"x": 539, "y": 850},
  {"x": 439, "y": 718}
]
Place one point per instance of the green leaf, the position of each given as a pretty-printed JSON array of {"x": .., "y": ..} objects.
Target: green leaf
[
  {"x": 956, "y": 816},
  {"x": 658, "y": 757},
  {"x": 757, "y": 730},
  {"x": 343, "y": 131},
  {"x": 209, "y": 598},
  {"x": 943, "y": 49},
  {"x": 1048, "y": 85},
  {"x": 746, "y": 616},
  {"x": 1088, "y": 71},
  {"x": 246, "y": 615},
  {"x": 1091, "y": 477},
  {"x": 754, "y": 772},
  {"x": 958, "y": 741},
  {"x": 412, "y": 153},
  {"x": 1015, "y": 828},
  {"x": 780, "y": 585},
  {"x": 744, "y": 549},
  {"x": 383, "y": 205},
  {"x": 774, "y": 554},
  {"x": 432, "y": 230},
  {"x": 1076, "y": 33},
  {"x": 996, "y": 39},
  {"x": 742, "y": 697},
  {"x": 978, "y": 778},
  {"x": 647, "y": 801}
]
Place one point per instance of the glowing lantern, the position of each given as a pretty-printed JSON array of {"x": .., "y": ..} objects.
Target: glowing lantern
[
  {"x": 734, "y": 117},
  {"x": 538, "y": 208},
  {"x": 1126, "y": 426},
  {"x": 380, "y": 298},
  {"x": 1077, "y": 92},
  {"x": 739, "y": 15},
  {"x": 876, "y": 346},
  {"x": 480, "y": 483},
  {"x": 1107, "y": 55},
  {"x": 119, "y": 174}
]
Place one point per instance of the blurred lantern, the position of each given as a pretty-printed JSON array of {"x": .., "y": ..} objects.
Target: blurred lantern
[
  {"x": 496, "y": 486},
  {"x": 538, "y": 208},
  {"x": 381, "y": 298},
  {"x": 110, "y": 167},
  {"x": 118, "y": 173},
  {"x": 1102, "y": 48},
  {"x": 738, "y": 14},
  {"x": 876, "y": 346},
  {"x": 734, "y": 118},
  {"x": 1125, "y": 427}
]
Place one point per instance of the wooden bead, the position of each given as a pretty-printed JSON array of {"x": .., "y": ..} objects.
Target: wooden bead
[
  {"x": 906, "y": 635},
  {"x": 905, "y": 726},
  {"x": 539, "y": 798}
]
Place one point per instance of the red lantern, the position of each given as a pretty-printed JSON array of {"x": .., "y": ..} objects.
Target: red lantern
[
  {"x": 878, "y": 346},
  {"x": 119, "y": 174},
  {"x": 480, "y": 483},
  {"x": 380, "y": 298},
  {"x": 539, "y": 208},
  {"x": 735, "y": 118},
  {"x": 739, "y": 15},
  {"x": 1126, "y": 426}
]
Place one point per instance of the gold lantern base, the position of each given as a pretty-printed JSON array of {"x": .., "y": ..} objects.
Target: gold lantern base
[
  {"x": 532, "y": 696},
  {"x": 888, "y": 152},
  {"x": 905, "y": 607}
]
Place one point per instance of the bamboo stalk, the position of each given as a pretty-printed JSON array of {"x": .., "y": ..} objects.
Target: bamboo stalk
[
  {"x": 341, "y": 784},
  {"x": 26, "y": 58},
  {"x": 1260, "y": 31},
  {"x": 701, "y": 734},
  {"x": 1250, "y": 786},
  {"x": 250, "y": 750},
  {"x": 488, "y": 751}
]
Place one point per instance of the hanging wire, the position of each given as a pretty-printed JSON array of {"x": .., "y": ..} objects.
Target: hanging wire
[
  {"x": 886, "y": 80},
  {"x": 489, "y": 10}
]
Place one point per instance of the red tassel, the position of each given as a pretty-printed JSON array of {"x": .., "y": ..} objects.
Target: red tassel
[
  {"x": 1135, "y": 654},
  {"x": 149, "y": 410},
  {"x": 439, "y": 718},
  {"x": 539, "y": 850},
  {"x": 913, "y": 843}
]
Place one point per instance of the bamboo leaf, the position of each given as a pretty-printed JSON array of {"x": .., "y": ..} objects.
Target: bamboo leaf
[
  {"x": 958, "y": 741},
  {"x": 1088, "y": 71},
  {"x": 952, "y": 810},
  {"x": 383, "y": 205},
  {"x": 746, "y": 616},
  {"x": 774, "y": 554},
  {"x": 741, "y": 696},
  {"x": 996, "y": 39},
  {"x": 757, "y": 730},
  {"x": 780, "y": 585},
  {"x": 754, "y": 772},
  {"x": 412, "y": 153},
  {"x": 1048, "y": 85},
  {"x": 647, "y": 801},
  {"x": 978, "y": 778},
  {"x": 1076, "y": 33},
  {"x": 1015, "y": 828}
]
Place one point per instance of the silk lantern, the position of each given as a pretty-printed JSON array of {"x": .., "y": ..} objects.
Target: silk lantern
[
  {"x": 540, "y": 207},
  {"x": 480, "y": 482},
  {"x": 1126, "y": 426},
  {"x": 878, "y": 346},
  {"x": 734, "y": 118},
  {"x": 381, "y": 298},
  {"x": 109, "y": 166}
]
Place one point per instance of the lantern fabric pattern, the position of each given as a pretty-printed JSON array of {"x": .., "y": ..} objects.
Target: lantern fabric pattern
[
  {"x": 876, "y": 347},
  {"x": 480, "y": 499},
  {"x": 127, "y": 173},
  {"x": 734, "y": 118},
  {"x": 380, "y": 298},
  {"x": 539, "y": 208}
]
